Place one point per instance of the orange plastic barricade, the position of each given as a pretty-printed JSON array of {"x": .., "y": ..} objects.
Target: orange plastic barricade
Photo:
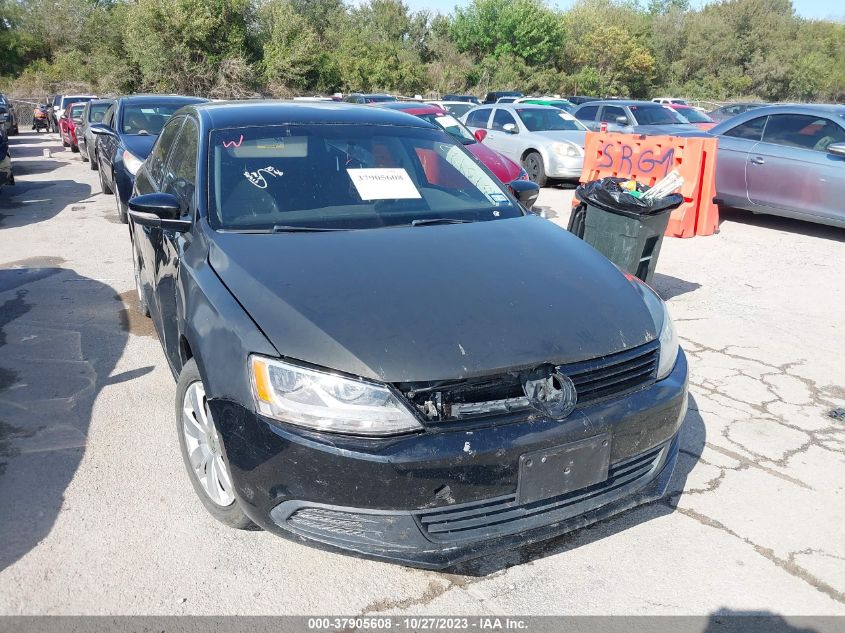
[{"x": 648, "y": 158}]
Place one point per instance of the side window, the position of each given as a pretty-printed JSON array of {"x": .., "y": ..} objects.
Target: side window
[
  {"x": 108, "y": 118},
  {"x": 478, "y": 117},
  {"x": 609, "y": 114},
  {"x": 751, "y": 130},
  {"x": 158, "y": 157},
  {"x": 501, "y": 118},
  {"x": 181, "y": 172},
  {"x": 802, "y": 131},
  {"x": 587, "y": 113}
]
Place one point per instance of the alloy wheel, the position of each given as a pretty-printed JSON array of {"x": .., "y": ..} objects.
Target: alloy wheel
[
  {"x": 203, "y": 447},
  {"x": 532, "y": 166}
]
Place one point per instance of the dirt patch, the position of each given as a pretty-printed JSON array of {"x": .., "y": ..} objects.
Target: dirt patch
[
  {"x": 39, "y": 261},
  {"x": 131, "y": 319}
]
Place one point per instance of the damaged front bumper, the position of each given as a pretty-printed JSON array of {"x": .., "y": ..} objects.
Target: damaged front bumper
[{"x": 451, "y": 493}]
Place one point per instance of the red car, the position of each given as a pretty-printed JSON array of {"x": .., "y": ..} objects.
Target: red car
[
  {"x": 67, "y": 125},
  {"x": 502, "y": 167},
  {"x": 696, "y": 117}
]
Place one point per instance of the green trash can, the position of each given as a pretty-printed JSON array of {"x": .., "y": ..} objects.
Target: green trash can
[{"x": 627, "y": 230}]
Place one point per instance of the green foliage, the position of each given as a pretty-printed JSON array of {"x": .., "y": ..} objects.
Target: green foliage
[{"x": 235, "y": 48}]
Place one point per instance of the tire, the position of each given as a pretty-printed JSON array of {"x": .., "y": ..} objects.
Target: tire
[
  {"x": 83, "y": 155},
  {"x": 103, "y": 186},
  {"x": 64, "y": 142},
  {"x": 143, "y": 307},
  {"x": 74, "y": 149},
  {"x": 211, "y": 465},
  {"x": 122, "y": 215},
  {"x": 14, "y": 131},
  {"x": 533, "y": 164},
  {"x": 92, "y": 160}
]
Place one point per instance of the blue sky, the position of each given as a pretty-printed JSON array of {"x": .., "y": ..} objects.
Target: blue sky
[{"x": 805, "y": 8}]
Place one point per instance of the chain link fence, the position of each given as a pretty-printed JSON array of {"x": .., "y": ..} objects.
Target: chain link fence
[{"x": 23, "y": 108}]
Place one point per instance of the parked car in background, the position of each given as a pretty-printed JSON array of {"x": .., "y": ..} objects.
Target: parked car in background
[
  {"x": 696, "y": 117},
  {"x": 70, "y": 118},
  {"x": 388, "y": 357},
  {"x": 357, "y": 97},
  {"x": 579, "y": 99},
  {"x": 60, "y": 104},
  {"x": 93, "y": 113},
  {"x": 560, "y": 104},
  {"x": 502, "y": 167},
  {"x": 125, "y": 137},
  {"x": 732, "y": 109},
  {"x": 547, "y": 142},
  {"x": 784, "y": 160},
  {"x": 8, "y": 118},
  {"x": 6, "y": 175},
  {"x": 633, "y": 117},
  {"x": 466, "y": 98},
  {"x": 670, "y": 101},
  {"x": 456, "y": 108},
  {"x": 494, "y": 96}
]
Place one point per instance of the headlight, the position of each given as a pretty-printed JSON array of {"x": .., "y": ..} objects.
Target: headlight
[
  {"x": 132, "y": 162},
  {"x": 565, "y": 149},
  {"x": 327, "y": 402},
  {"x": 668, "y": 338}
]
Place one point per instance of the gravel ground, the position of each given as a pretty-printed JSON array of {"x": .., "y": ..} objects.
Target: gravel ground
[{"x": 97, "y": 515}]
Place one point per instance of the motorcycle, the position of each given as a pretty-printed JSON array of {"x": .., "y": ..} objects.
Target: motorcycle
[{"x": 40, "y": 118}]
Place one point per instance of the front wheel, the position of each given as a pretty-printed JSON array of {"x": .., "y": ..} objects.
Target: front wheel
[
  {"x": 139, "y": 288},
  {"x": 92, "y": 160},
  {"x": 202, "y": 451},
  {"x": 83, "y": 155},
  {"x": 533, "y": 164},
  {"x": 103, "y": 185},
  {"x": 121, "y": 209}
]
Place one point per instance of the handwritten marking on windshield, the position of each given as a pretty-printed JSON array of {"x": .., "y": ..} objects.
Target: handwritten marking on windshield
[
  {"x": 257, "y": 177},
  {"x": 228, "y": 144}
]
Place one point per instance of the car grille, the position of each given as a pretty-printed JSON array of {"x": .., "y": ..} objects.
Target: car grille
[
  {"x": 504, "y": 515},
  {"x": 595, "y": 380}
]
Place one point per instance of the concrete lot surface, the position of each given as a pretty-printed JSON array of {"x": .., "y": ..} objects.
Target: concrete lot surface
[{"x": 97, "y": 514}]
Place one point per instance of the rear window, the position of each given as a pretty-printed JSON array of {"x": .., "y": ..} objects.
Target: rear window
[
  {"x": 346, "y": 177},
  {"x": 451, "y": 125},
  {"x": 694, "y": 116},
  {"x": 542, "y": 119},
  {"x": 147, "y": 119},
  {"x": 656, "y": 115}
]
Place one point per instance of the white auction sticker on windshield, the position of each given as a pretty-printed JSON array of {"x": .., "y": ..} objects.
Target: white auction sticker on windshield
[
  {"x": 447, "y": 120},
  {"x": 383, "y": 184}
]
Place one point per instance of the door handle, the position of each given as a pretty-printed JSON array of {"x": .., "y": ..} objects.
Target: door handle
[{"x": 758, "y": 160}]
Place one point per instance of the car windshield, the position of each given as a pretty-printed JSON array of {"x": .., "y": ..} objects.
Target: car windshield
[
  {"x": 450, "y": 124},
  {"x": 97, "y": 112},
  {"x": 545, "y": 119},
  {"x": 656, "y": 115},
  {"x": 694, "y": 116},
  {"x": 146, "y": 119},
  {"x": 76, "y": 111},
  {"x": 459, "y": 109},
  {"x": 379, "y": 98},
  {"x": 341, "y": 176}
]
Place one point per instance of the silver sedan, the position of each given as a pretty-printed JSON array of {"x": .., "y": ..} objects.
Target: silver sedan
[
  {"x": 546, "y": 141},
  {"x": 784, "y": 160}
]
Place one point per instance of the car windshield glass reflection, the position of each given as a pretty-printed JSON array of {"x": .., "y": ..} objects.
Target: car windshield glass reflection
[
  {"x": 147, "y": 119},
  {"x": 656, "y": 115},
  {"x": 694, "y": 116},
  {"x": 450, "y": 124},
  {"x": 76, "y": 112},
  {"x": 541, "y": 120},
  {"x": 346, "y": 177},
  {"x": 97, "y": 112}
]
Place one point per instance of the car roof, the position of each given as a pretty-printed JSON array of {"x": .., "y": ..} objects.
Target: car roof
[
  {"x": 223, "y": 114},
  {"x": 519, "y": 106},
  {"x": 411, "y": 107},
  {"x": 623, "y": 102},
  {"x": 800, "y": 108},
  {"x": 99, "y": 101},
  {"x": 154, "y": 98}
]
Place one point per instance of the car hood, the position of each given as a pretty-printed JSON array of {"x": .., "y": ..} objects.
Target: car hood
[
  {"x": 573, "y": 136},
  {"x": 504, "y": 168},
  {"x": 434, "y": 302},
  {"x": 139, "y": 144}
]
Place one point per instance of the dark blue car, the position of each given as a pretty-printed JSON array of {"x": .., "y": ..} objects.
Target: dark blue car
[
  {"x": 6, "y": 176},
  {"x": 126, "y": 135}
]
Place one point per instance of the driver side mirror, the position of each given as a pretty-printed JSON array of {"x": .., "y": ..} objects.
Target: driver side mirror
[
  {"x": 510, "y": 128},
  {"x": 621, "y": 120},
  {"x": 480, "y": 135},
  {"x": 158, "y": 211},
  {"x": 526, "y": 191},
  {"x": 836, "y": 149},
  {"x": 101, "y": 129}
]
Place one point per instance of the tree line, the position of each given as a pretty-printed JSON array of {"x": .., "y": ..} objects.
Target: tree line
[{"x": 239, "y": 48}]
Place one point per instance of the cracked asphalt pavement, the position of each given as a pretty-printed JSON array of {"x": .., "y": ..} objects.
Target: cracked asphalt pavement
[{"x": 97, "y": 515}]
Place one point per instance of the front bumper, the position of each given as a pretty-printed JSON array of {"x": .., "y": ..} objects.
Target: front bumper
[
  {"x": 568, "y": 167},
  {"x": 449, "y": 494}
]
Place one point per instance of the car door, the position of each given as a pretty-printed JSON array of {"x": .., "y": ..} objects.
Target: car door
[
  {"x": 478, "y": 119},
  {"x": 180, "y": 180},
  {"x": 587, "y": 115},
  {"x": 734, "y": 147},
  {"x": 790, "y": 169},
  {"x": 500, "y": 140},
  {"x": 107, "y": 144}
]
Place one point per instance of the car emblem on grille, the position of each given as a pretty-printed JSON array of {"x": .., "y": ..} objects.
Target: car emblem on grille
[{"x": 553, "y": 394}]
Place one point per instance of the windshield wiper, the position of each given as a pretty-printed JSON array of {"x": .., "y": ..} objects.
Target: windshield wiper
[
  {"x": 284, "y": 228},
  {"x": 425, "y": 221}
]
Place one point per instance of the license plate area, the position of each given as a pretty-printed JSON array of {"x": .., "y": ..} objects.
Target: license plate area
[{"x": 560, "y": 469}]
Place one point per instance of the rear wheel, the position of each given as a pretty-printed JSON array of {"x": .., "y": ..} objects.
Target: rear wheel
[
  {"x": 83, "y": 155},
  {"x": 533, "y": 164},
  {"x": 118, "y": 205},
  {"x": 139, "y": 288},
  {"x": 92, "y": 160},
  {"x": 202, "y": 450}
]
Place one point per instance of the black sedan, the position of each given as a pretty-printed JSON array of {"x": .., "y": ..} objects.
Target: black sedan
[
  {"x": 6, "y": 175},
  {"x": 380, "y": 350},
  {"x": 128, "y": 130},
  {"x": 93, "y": 112}
]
